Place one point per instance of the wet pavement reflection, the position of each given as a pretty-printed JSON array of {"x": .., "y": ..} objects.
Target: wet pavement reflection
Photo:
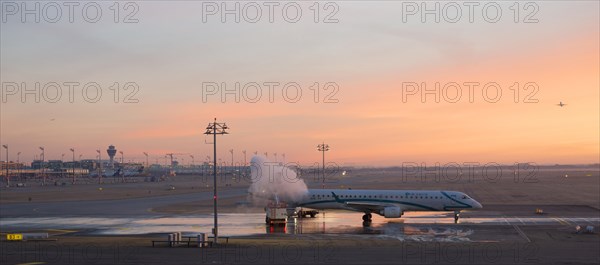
[{"x": 432, "y": 226}]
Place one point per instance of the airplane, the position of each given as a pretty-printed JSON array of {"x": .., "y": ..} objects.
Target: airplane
[
  {"x": 388, "y": 203},
  {"x": 561, "y": 104}
]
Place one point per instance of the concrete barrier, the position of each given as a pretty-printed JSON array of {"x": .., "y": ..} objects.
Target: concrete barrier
[
  {"x": 202, "y": 239},
  {"x": 171, "y": 239}
]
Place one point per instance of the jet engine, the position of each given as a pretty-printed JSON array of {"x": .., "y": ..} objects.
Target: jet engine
[{"x": 391, "y": 212}]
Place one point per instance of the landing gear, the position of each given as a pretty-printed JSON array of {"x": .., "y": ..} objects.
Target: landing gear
[
  {"x": 367, "y": 219},
  {"x": 456, "y": 216}
]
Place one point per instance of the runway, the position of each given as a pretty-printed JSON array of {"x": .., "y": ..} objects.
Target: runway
[{"x": 126, "y": 207}]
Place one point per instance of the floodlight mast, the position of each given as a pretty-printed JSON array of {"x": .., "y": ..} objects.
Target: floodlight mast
[
  {"x": 42, "y": 169},
  {"x": 18, "y": 166},
  {"x": 73, "y": 165},
  {"x": 323, "y": 148},
  {"x": 146, "y": 154},
  {"x": 99, "y": 166},
  {"x": 215, "y": 128}
]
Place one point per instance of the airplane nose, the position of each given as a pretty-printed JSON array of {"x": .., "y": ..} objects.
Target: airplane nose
[{"x": 477, "y": 205}]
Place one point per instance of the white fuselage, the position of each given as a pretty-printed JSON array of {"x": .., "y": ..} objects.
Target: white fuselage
[{"x": 371, "y": 200}]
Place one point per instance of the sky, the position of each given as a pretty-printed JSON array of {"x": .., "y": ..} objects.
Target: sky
[{"x": 349, "y": 73}]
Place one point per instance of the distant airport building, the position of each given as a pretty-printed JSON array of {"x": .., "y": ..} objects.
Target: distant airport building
[
  {"x": 37, "y": 164},
  {"x": 72, "y": 164},
  {"x": 10, "y": 165},
  {"x": 88, "y": 164},
  {"x": 92, "y": 164},
  {"x": 55, "y": 165}
]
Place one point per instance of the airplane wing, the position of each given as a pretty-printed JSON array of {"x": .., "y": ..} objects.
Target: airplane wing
[
  {"x": 366, "y": 206},
  {"x": 363, "y": 206}
]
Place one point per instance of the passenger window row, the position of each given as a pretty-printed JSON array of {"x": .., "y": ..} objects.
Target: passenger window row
[{"x": 377, "y": 196}]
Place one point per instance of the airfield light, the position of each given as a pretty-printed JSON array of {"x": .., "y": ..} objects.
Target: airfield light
[
  {"x": 43, "y": 157},
  {"x": 7, "y": 178},
  {"x": 73, "y": 166},
  {"x": 323, "y": 148},
  {"x": 122, "y": 162},
  {"x": 215, "y": 128},
  {"x": 19, "y": 166}
]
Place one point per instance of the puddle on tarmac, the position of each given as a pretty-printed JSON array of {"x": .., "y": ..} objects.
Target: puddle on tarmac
[
  {"x": 423, "y": 226},
  {"x": 233, "y": 224}
]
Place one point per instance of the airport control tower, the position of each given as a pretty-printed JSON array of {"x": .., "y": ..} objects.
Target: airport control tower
[{"x": 112, "y": 151}]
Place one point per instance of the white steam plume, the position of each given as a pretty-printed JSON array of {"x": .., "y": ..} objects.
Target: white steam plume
[{"x": 273, "y": 181}]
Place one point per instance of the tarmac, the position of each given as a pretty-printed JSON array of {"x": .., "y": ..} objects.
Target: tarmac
[{"x": 120, "y": 228}]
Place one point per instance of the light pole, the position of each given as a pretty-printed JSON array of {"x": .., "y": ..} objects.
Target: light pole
[
  {"x": 283, "y": 155},
  {"x": 62, "y": 163},
  {"x": 146, "y": 154},
  {"x": 207, "y": 165},
  {"x": 122, "y": 162},
  {"x": 43, "y": 157},
  {"x": 243, "y": 169},
  {"x": 215, "y": 128},
  {"x": 192, "y": 156},
  {"x": 99, "y": 166},
  {"x": 231, "y": 151},
  {"x": 73, "y": 165},
  {"x": 6, "y": 165},
  {"x": 244, "y": 152},
  {"x": 323, "y": 148},
  {"x": 18, "y": 165}
]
